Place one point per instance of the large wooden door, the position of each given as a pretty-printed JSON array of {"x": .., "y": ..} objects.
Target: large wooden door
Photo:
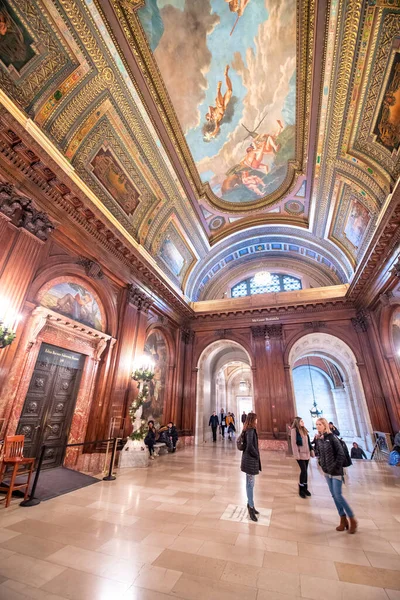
[{"x": 50, "y": 402}]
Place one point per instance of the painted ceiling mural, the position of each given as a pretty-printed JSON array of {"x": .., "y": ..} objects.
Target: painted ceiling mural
[
  {"x": 230, "y": 70},
  {"x": 194, "y": 124}
]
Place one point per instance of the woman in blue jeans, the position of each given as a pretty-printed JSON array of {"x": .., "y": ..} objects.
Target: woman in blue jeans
[
  {"x": 331, "y": 458},
  {"x": 251, "y": 464}
]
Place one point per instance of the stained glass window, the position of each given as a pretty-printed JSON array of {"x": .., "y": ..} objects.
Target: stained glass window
[{"x": 279, "y": 283}]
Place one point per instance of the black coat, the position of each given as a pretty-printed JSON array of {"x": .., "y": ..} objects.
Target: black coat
[
  {"x": 150, "y": 437},
  {"x": 251, "y": 464},
  {"x": 330, "y": 454},
  {"x": 214, "y": 422},
  {"x": 172, "y": 433},
  {"x": 358, "y": 453}
]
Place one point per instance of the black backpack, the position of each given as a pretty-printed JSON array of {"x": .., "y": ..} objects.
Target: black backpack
[
  {"x": 347, "y": 459},
  {"x": 241, "y": 442}
]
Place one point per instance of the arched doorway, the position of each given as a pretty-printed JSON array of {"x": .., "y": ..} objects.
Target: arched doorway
[
  {"x": 224, "y": 380},
  {"x": 324, "y": 367}
]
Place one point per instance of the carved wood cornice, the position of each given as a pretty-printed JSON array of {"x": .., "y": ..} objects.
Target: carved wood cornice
[
  {"x": 278, "y": 311},
  {"x": 25, "y": 156}
]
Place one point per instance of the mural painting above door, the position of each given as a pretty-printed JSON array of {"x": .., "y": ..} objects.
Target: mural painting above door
[
  {"x": 156, "y": 348},
  {"x": 70, "y": 297},
  {"x": 230, "y": 70}
]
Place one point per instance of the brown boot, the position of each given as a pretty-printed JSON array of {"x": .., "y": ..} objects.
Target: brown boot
[
  {"x": 353, "y": 525},
  {"x": 344, "y": 524}
]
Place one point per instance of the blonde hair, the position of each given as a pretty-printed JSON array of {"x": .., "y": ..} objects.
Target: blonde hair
[{"x": 325, "y": 424}]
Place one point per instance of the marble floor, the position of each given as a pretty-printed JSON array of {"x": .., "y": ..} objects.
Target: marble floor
[{"x": 156, "y": 534}]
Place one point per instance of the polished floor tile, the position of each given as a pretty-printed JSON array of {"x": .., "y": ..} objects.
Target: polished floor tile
[{"x": 157, "y": 534}]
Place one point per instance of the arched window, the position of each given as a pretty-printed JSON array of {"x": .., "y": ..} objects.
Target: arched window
[{"x": 279, "y": 282}]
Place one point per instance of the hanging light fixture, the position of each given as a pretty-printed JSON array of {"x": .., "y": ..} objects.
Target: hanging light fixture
[
  {"x": 314, "y": 411},
  {"x": 262, "y": 278}
]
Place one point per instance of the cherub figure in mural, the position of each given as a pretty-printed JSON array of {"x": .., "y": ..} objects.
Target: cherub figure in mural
[
  {"x": 261, "y": 145},
  {"x": 13, "y": 48},
  {"x": 254, "y": 183},
  {"x": 237, "y": 6},
  {"x": 216, "y": 113}
]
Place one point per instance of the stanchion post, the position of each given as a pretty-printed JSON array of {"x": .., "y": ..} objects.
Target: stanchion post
[
  {"x": 110, "y": 476},
  {"x": 32, "y": 501}
]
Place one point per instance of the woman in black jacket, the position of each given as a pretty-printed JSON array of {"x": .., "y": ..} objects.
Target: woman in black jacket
[
  {"x": 172, "y": 435},
  {"x": 331, "y": 458},
  {"x": 150, "y": 439},
  {"x": 251, "y": 464}
]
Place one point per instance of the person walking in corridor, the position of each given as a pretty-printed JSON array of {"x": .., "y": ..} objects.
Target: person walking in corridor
[
  {"x": 230, "y": 425},
  {"x": 213, "y": 423},
  {"x": 251, "y": 463},
  {"x": 244, "y": 417},
  {"x": 222, "y": 423},
  {"x": 331, "y": 458},
  {"x": 357, "y": 452},
  {"x": 301, "y": 447}
]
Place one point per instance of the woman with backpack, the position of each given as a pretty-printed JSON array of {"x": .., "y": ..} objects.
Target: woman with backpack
[
  {"x": 332, "y": 459},
  {"x": 301, "y": 447},
  {"x": 251, "y": 464}
]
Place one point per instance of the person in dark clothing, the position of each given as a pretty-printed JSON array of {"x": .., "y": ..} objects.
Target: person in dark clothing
[
  {"x": 331, "y": 458},
  {"x": 150, "y": 439},
  {"x": 357, "y": 452},
  {"x": 251, "y": 463},
  {"x": 222, "y": 422},
  {"x": 301, "y": 447},
  {"x": 244, "y": 417},
  {"x": 172, "y": 435},
  {"x": 334, "y": 429},
  {"x": 213, "y": 423}
]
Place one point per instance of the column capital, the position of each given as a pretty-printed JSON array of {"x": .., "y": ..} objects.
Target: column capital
[
  {"x": 21, "y": 212},
  {"x": 274, "y": 332},
  {"x": 138, "y": 298}
]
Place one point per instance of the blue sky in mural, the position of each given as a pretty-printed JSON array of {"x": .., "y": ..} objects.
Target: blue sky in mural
[
  {"x": 222, "y": 47},
  {"x": 192, "y": 44}
]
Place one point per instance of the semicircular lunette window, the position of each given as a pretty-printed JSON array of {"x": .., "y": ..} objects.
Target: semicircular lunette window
[{"x": 277, "y": 282}]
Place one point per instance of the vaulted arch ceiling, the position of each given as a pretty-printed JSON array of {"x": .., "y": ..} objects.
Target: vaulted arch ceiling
[{"x": 301, "y": 148}]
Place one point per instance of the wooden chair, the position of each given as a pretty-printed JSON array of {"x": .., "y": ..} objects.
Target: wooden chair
[{"x": 13, "y": 456}]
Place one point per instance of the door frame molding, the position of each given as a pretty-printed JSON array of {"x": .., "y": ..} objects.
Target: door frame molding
[{"x": 46, "y": 326}]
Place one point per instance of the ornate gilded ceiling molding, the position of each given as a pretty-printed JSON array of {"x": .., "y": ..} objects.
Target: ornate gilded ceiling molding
[
  {"x": 61, "y": 193},
  {"x": 345, "y": 43}
]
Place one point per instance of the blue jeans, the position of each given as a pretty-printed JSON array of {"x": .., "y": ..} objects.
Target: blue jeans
[
  {"x": 250, "y": 481},
  {"x": 335, "y": 488}
]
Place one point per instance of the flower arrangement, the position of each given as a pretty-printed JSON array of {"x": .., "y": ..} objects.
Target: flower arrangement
[
  {"x": 143, "y": 376},
  {"x": 6, "y": 335}
]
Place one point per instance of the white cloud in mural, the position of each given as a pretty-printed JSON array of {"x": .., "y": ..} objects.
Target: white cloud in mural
[
  {"x": 184, "y": 59},
  {"x": 266, "y": 72}
]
